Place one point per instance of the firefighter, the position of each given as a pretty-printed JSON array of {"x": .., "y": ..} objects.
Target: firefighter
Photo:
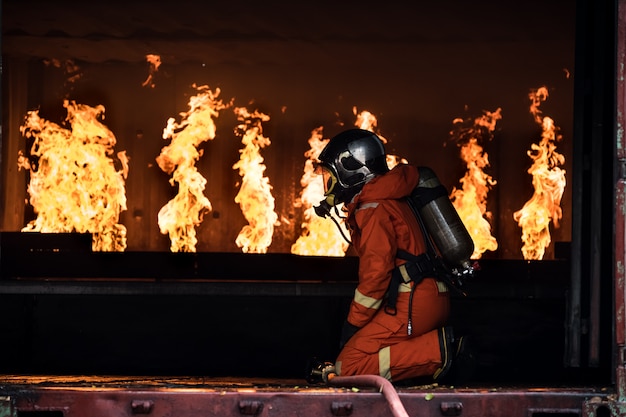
[{"x": 406, "y": 339}]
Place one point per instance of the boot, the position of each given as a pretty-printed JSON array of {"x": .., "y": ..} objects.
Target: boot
[{"x": 458, "y": 361}]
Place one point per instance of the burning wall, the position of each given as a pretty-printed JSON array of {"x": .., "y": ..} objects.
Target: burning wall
[{"x": 414, "y": 81}]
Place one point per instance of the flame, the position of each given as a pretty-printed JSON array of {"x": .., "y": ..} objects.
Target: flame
[
  {"x": 155, "y": 63},
  {"x": 179, "y": 217},
  {"x": 367, "y": 121},
  {"x": 74, "y": 185},
  {"x": 320, "y": 237},
  {"x": 470, "y": 201},
  {"x": 254, "y": 197},
  {"x": 548, "y": 181}
]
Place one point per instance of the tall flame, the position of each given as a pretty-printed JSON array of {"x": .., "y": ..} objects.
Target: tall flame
[
  {"x": 368, "y": 121},
  {"x": 470, "y": 200},
  {"x": 255, "y": 196},
  {"x": 548, "y": 181},
  {"x": 320, "y": 237},
  {"x": 74, "y": 185},
  {"x": 179, "y": 217}
]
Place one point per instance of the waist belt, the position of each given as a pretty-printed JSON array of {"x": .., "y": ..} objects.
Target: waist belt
[{"x": 415, "y": 269}]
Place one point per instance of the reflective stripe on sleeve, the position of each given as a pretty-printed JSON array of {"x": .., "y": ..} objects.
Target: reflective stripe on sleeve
[
  {"x": 367, "y": 206},
  {"x": 366, "y": 301}
]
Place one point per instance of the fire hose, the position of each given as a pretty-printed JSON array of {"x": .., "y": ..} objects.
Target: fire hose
[{"x": 383, "y": 385}]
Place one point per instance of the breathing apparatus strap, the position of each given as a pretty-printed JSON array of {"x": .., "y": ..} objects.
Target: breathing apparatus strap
[
  {"x": 415, "y": 269},
  {"x": 423, "y": 199},
  {"x": 424, "y": 195}
]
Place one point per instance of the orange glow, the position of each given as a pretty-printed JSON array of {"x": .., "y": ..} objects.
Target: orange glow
[
  {"x": 255, "y": 196},
  {"x": 548, "y": 181},
  {"x": 320, "y": 236},
  {"x": 179, "y": 217},
  {"x": 470, "y": 201},
  {"x": 71, "y": 70},
  {"x": 74, "y": 184}
]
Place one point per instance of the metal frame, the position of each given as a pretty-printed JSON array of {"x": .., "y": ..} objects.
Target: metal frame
[
  {"x": 102, "y": 397},
  {"x": 620, "y": 215}
]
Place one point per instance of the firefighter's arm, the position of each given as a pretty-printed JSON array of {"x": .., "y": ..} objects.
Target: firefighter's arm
[{"x": 377, "y": 252}]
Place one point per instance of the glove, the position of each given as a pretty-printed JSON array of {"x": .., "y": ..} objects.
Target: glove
[{"x": 347, "y": 331}]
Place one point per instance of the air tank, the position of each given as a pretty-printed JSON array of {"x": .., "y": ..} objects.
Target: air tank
[{"x": 442, "y": 222}]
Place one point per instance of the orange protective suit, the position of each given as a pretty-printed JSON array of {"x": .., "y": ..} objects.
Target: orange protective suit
[{"x": 380, "y": 224}]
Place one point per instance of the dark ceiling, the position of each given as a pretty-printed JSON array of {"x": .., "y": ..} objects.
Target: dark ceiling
[{"x": 267, "y": 32}]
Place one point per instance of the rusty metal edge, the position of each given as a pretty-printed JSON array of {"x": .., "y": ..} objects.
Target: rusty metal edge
[
  {"x": 619, "y": 401},
  {"x": 488, "y": 402}
]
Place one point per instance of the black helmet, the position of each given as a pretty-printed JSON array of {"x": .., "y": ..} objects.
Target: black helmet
[{"x": 348, "y": 161}]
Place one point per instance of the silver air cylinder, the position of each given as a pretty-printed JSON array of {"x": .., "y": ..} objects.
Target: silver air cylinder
[{"x": 442, "y": 221}]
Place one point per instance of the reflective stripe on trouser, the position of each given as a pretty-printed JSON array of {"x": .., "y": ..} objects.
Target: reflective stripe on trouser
[{"x": 383, "y": 347}]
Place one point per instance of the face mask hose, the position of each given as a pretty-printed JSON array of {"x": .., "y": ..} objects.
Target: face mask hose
[{"x": 323, "y": 210}]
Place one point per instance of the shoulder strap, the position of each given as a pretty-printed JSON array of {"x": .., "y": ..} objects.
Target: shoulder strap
[{"x": 430, "y": 247}]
